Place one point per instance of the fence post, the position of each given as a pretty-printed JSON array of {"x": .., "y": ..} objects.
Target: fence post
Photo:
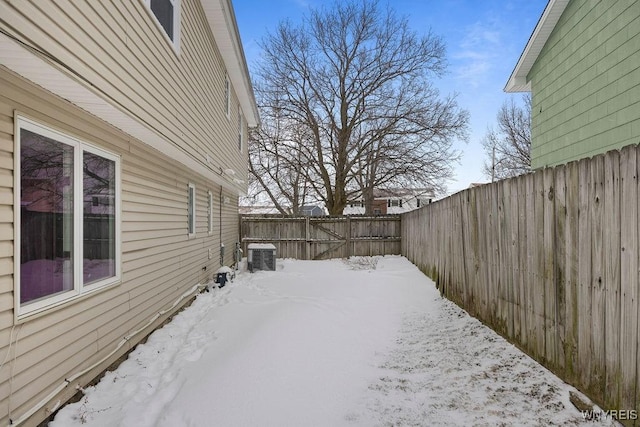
[{"x": 307, "y": 238}]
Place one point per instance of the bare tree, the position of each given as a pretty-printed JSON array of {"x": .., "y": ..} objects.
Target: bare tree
[
  {"x": 276, "y": 164},
  {"x": 356, "y": 83},
  {"x": 409, "y": 154},
  {"x": 509, "y": 147}
]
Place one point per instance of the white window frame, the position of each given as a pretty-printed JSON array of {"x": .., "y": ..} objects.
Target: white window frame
[
  {"x": 79, "y": 289},
  {"x": 210, "y": 212},
  {"x": 191, "y": 206},
  {"x": 240, "y": 130},
  {"x": 175, "y": 41},
  {"x": 227, "y": 95}
]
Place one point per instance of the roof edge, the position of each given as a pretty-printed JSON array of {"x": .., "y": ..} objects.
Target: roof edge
[{"x": 550, "y": 16}]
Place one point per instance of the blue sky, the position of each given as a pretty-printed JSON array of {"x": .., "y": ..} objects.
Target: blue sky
[{"x": 484, "y": 39}]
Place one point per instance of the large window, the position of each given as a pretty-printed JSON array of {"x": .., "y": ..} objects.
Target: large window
[
  {"x": 167, "y": 14},
  {"x": 68, "y": 217}
]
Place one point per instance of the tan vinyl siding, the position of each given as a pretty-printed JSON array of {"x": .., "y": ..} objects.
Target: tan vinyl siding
[
  {"x": 230, "y": 226},
  {"x": 117, "y": 48},
  {"x": 120, "y": 50},
  {"x": 6, "y": 245},
  {"x": 159, "y": 261}
]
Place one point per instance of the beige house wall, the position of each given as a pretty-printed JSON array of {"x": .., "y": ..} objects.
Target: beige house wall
[
  {"x": 159, "y": 261},
  {"x": 118, "y": 52},
  {"x": 118, "y": 49}
]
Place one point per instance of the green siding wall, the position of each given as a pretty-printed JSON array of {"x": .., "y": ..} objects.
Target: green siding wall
[{"x": 586, "y": 83}]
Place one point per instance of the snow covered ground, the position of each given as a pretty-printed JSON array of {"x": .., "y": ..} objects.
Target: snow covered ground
[{"x": 358, "y": 342}]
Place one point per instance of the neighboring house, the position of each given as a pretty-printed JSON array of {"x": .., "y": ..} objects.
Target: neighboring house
[
  {"x": 581, "y": 66},
  {"x": 122, "y": 154},
  {"x": 312, "y": 210},
  {"x": 392, "y": 201}
]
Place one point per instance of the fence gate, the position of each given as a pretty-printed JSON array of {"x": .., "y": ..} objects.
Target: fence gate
[{"x": 323, "y": 237}]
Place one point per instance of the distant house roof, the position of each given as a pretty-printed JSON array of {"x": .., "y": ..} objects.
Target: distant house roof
[
  {"x": 312, "y": 210},
  {"x": 547, "y": 22}
]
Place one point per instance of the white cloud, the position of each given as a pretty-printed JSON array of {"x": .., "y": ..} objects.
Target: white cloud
[{"x": 478, "y": 50}]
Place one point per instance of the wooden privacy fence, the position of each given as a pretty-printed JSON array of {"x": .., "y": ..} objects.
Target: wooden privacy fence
[
  {"x": 549, "y": 260},
  {"x": 323, "y": 237}
]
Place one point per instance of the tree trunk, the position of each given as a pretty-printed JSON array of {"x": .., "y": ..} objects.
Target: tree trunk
[
  {"x": 367, "y": 198},
  {"x": 337, "y": 203}
]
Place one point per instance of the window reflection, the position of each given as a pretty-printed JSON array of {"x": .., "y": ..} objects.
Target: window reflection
[
  {"x": 46, "y": 212},
  {"x": 99, "y": 229}
]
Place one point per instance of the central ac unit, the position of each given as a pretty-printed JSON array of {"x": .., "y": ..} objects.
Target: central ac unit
[{"x": 261, "y": 256}]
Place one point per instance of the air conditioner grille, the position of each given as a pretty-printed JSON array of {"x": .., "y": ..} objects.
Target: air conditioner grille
[{"x": 261, "y": 257}]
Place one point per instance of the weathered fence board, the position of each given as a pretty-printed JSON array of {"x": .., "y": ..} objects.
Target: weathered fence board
[
  {"x": 550, "y": 315},
  {"x": 584, "y": 271},
  {"x": 529, "y": 246},
  {"x": 550, "y": 260},
  {"x": 323, "y": 237},
  {"x": 629, "y": 276},
  {"x": 502, "y": 275},
  {"x": 597, "y": 201},
  {"x": 524, "y": 258},
  {"x": 612, "y": 278},
  {"x": 560, "y": 278},
  {"x": 467, "y": 274},
  {"x": 537, "y": 248},
  {"x": 513, "y": 261},
  {"x": 571, "y": 272}
]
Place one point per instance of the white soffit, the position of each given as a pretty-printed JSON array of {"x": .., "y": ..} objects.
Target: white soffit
[
  {"x": 547, "y": 22},
  {"x": 224, "y": 27},
  {"x": 26, "y": 63}
]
